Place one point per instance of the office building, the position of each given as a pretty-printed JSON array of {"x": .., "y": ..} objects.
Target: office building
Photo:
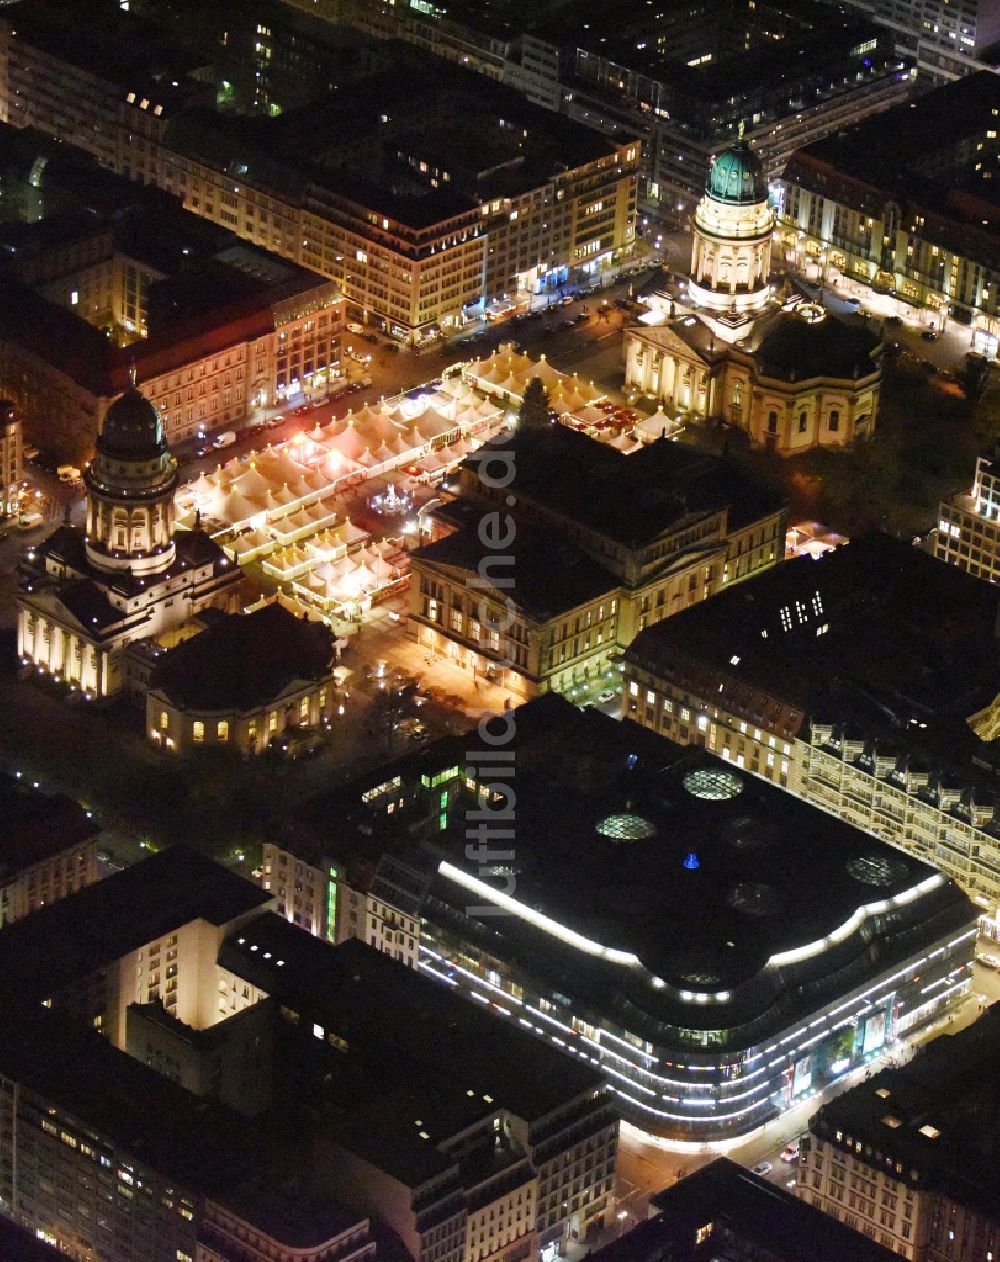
[
  {"x": 908, "y": 1156},
  {"x": 967, "y": 531},
  {"x": 793, "y": 377},
  {"x": 49, "y": 851},
  {"x": 724, "y": 1210},
  {"x": 148, "y": 934},
  {"x": 864, "y": 681},
  {"x": 428, "y": 236},
  {"x": 715, "y": 967},
  {"x": 99, "y": 276},
  {"x": 683, "y": 79},
  {"x": 947, "y": 40},
  {"x": 86, "y": 593},
  {"x": 907, "y": 203},
  {"x": 340, "y": 1082},
  {"x": 602, "y": 544}
]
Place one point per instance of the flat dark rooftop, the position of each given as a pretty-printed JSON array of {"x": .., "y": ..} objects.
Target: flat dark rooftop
[
  {"x": 244, "y": 661},
  {"x": 748, "y": 1210},
  {"x": 547, "y": 576},
  {"x": 630, "y": 498},
  {"x": 440, "y": 1063},
  {"x": 694, "y": 871},
  {"x": 909, "y": 640},
  {"x": 37, "y": 826},
  {"x": 78, "y": 935},
  {"x": 891, "y": 143},
  {"x": 949, "y": 1088},
  {"x": 195, "y": 1141},
  {"x": 297, "y": 1221}
]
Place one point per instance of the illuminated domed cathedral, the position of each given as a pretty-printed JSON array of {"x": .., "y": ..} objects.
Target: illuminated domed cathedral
[
  {"x": 86, "y": 594},
  {"x": 786, "y": 372}
]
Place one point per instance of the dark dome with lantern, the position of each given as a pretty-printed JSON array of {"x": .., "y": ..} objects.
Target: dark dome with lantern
[
  {"x": 737, "y": 177},
  {"x": 132, "y": 428}
]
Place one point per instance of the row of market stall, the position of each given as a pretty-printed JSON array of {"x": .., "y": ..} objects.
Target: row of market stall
[{"x": 286, "y": 506}]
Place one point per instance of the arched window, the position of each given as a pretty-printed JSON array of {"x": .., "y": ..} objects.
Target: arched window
[
  {"x": 803, "y": 422},
  {"x": 772, "y": 422},
  {"x": 834, "y": 420}
]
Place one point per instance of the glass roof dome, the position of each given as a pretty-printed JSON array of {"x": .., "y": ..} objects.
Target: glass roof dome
[
  {"x": 626, "y": 827},
  {"x": 737, "y": 177}
]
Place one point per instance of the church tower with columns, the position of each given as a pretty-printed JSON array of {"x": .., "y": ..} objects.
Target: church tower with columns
[
  {"x": 130, "y": 490},
  {"x": 732, "y": 226},
  {"x": 89, "y": 596}
]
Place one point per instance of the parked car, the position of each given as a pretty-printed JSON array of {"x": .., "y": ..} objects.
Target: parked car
[
  {"x": 393, "y": 347},
  {"x": 762, "y": 1168},
  {"x": 567, "y": 324},
  {"x": 30, "y": 521},
  {"x": 790, "y": 1152},
  {"x": 370, "y": 337},
  {"x": 225, "y": 439},
  {"x": 607, "y": 695},
  {"x": 68, "y": 473},
  {"x": 893, "y": 321},
  {"x": 582, "y": 317},
  {"x": 989, "y": 961}
]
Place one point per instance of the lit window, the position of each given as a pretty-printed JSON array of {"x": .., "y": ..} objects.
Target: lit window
[
  {"x": 222, "y": 730},
  {"x": 198, "y": 730},
  {"x": 74, "y": 297},
  {"x": 164, "y": 720}
]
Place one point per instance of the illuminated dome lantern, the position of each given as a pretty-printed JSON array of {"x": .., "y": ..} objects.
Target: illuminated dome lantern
[
  {"x": 130, "y": 490},
  {"x": 731, "y": 252}
]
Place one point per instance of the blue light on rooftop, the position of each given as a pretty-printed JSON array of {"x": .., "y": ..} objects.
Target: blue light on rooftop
[{"x": 692, "y": 861}]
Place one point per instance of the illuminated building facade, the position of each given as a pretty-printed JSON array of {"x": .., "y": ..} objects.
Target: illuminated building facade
[
  {"x": 512, "y": 1148},
  {"x": 948, "y": 40},
  {"x": 246, "y": 683},
  {"x": 682, "y": 79},
  {"x": 968, "y": 532},
  {"x": 664, "y": 961},
  {"x": 11, "y": 458},
  {"x": 900, "y": 750},
  {"x": 906, "y": 203},
  {"x": 114, "y": 276},
  {"x": 84, "y": 594},
  {"x": 585, "y": 569},
  {"x": 793, "y": 378},
  {"x": 376, "y": 903},
  {"x": 907, "y": 1158},
  {"x": 50, "y": 849},
  {"x": 415, "y": 246}
]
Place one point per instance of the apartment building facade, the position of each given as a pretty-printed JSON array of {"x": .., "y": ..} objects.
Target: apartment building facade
[
  {"x": 720, "y": 686},
  {"x": 411, "y": 265},
  {"x": 968, "y": 530},
  {"x": 11, "y": 459},
  {"x": 906, "y": 203},
  {"x": 904, "y": 1157}
]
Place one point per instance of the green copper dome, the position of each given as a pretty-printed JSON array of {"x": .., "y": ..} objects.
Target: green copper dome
[{"x": 737, "y": 177}]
